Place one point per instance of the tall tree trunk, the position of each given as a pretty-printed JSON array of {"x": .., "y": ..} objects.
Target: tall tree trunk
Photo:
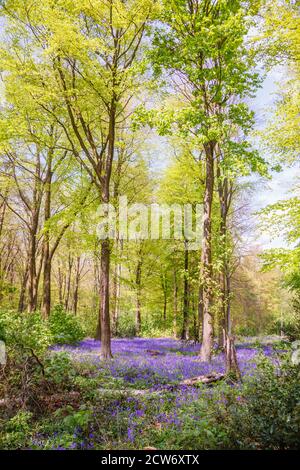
[
  {"x": 97, "y": 283},
  {"x": 116, "y": 289},
  {"x": 69, "y": 278},
  {"x": 32, "y": 294},
  {"x": 105, "y": 334},
  {"x": 206, "y": 257},
  {"x": 165, "y": 307},
  {"x": 185, "y": 325},
  {"x": 47, "y": 265},
  {"x": 21, "y": 304},
  {"x": 61, "y": 283},
  {"x": 200, "y": 314},
  {"x": 46, "y": 305},
  {"x": 35, "y": 215},
  {"x": 76, "y": 286},
  {"x": 3, "y": 208},
  {"x": 116, "y": 312},
  {"x": 222, "y": 309},
  {"x": 175, "y": 302},
  {"x": 228, "y": 304},
  {"x": 138, "y": 315},
  {"x": 164, "y": 286},
  {"x": 225, "y": 191},
  {"x": 105, "y": 244}
]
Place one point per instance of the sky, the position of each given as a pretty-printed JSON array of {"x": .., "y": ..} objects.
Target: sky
[{"x": 281, "y": 184}]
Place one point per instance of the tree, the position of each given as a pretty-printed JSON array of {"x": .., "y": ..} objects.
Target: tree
[
  {"x": 201, "y": 45},
  {"x": 278, "y": 43},
  {"x": 83, "y": 63}
]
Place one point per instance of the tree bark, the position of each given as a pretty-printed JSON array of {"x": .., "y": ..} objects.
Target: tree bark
[
  {"x": 231, "y": 362},
  {"x": 46, "y": 302},
  {"x": 35, "y": 216},
  {"x": 32, "y": 294},
  {"x": 200, "y": 314},
  {"x": 68, "y": 286},
  {"x": 116, "y": 289},
  {"x": 21, "y": 304},
  {"x": 185, "y": 325},
  {"x": 165, "y": 307},
  {"x": 175, "y": 302},
  {"x": 105, "y": 335},
  {"x": 76, "y": 286},
  {"x": 206, "y": 257},
  {"x": 138, "y": 316}
]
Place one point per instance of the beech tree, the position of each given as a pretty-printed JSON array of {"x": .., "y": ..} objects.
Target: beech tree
[
  {"x": 83, "y": 58},
  {"x": 201, "y": 45}
]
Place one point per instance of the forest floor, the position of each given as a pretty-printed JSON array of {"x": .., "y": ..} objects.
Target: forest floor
[
  {"x": 152, "y": 363},
  {"x": 137, "y": 399}
]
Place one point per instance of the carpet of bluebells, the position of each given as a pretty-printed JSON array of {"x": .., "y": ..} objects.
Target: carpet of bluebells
[
  {"x": 137, "y": 400},
  {"x": 154, "y": 362}
]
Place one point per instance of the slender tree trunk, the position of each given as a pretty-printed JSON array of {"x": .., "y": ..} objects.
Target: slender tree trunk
[
  {"x": 185, "y": 325},
  {"x": 225, "y": 191},
  {"x": 228, "y": 304},
  {"x": 165, "y": 307},
  {"x": 206, "y": 257},
  {"x": 116, "y": 290},
  {"x": 76, "y": 286},
  {"x": 164, "y": 286},
  {"x": 61, "y": 283},
  {"x": 138, "y": 315},
  {"x": 68, "y": 286},
  {"x": 200, "y": 314},
  {"x": 35, "y": 215},
  {"x": 47, "y": 265},
  {"x": 3, "y": 208},
  {"x": 104, "y": 322},
  {"x": 222, "y": 310},
  {"x": 175, "y": 302},
  {"x": 195, "y": 318},
  {"x": 117, "y": 301},
  {"x": 231, "y": 362},
  {"x": 46, "y": 305},
  {"x": 21, "y": 304},
  {"x": 32, "y": 294},
  {"x": 97, "y": 276},
  {"x": 105, "y": 334}
]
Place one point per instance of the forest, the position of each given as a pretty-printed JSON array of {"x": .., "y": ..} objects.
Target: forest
[{"x": 149, "y": 225}]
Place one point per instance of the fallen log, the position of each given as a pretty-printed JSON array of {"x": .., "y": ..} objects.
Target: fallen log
[
  {"x": 153, "y": 352},
  {"x": 204, "y": 379}
]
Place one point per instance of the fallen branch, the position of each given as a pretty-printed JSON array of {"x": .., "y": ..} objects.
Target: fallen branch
[
  {"x": 153, "y": 352},
  {"x": 204, "y": 379}
]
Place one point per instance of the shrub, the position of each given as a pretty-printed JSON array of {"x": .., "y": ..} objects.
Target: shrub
[
  {"x": 291, "y": 325},
  {"x": 265, "y": 413},
  {"x": 126, "y": 327},
  {"x": 59, "y": 369},
  {"x": 64, "y": 327},
  {"x": 25, "y": 331},
  {"x": 246, "y": 330},
  {"x": 152, "y": 326},
  {"x": 16, "y": 431}
]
